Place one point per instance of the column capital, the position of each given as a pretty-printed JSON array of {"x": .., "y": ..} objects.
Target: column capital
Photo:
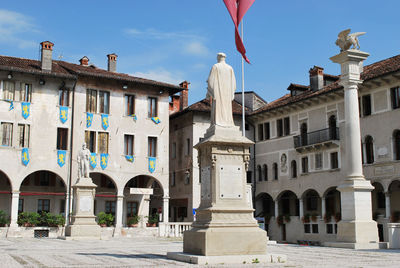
[
  {"x": 350, "y": 55},
  {"x": 387, "y": 194}
]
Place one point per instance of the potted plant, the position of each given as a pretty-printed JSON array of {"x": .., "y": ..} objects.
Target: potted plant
[
  {"x": 327, "y": 217},
  {"x": 279, "y": 220},
  {"x": 133, "y": 221},
  {"x": 52, "y": 220},
  {"x": 314, "y": 217},
  {"x": 28, "y": 219},
  {"x": 267, "y": 219},
  {"x": 4, "y": 220},
  {"x": 152, "y": 220},
  {"x": 338, "y": 216},
  {"x": 306, "y": 218},
  {"x": 287, "y": 218},
  {"x": 105, "y": 219}
]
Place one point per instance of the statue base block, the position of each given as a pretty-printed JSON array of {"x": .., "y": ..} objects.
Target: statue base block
[{"x": 82, "y": 232}]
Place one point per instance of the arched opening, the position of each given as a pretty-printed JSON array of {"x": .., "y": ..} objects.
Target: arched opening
[
  {"x": 311, "y": 203},
  {"x": 138, "y": 202},
  {"x": 332, "y": 127},
  {"x": 259, "y": 173},
  {"x": 288, "y": 204},
  {"x": 332, "y": 205},
  {"x": 378, "y": 200},
  {"x": 293, "y": 169},
  {"x": 394, "y": 191},
  {"x": 369, "y": 149},
  {"x": 42, "y": 191},
  {"x": 106, "y": 194},
  {"x": 303, "y": 134},
  {"x": 265, "y": 208},
  {"x": 396, "y": 144},
  {"x": 275, "y": 171},
  {"x": 5, "y": 194},
  {"x": 265, "y": 169}
]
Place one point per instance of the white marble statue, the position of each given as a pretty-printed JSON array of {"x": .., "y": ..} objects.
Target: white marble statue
[
  {"x": 221, "y": 91},
  {"x": 83, "y": 162},
  {"x": 346, "y": 40}
]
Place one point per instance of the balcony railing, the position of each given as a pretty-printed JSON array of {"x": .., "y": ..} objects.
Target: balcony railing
[{"x": 316, "y": 137}]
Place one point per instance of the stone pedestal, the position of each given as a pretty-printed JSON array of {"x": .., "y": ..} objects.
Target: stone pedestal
[
  {"x": 394, "y": 235},
  {"x": 356, "y": 229},
  {"x": 83, "y": 223},
  {"x": 224, "y": 223}
]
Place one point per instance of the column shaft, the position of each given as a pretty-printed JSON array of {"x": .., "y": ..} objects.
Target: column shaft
[
  {"x": 276, "y": 208},
  {"x": 165, "y": 209},
  {"x": 387, "y": 205},
  {"x": 301, "y": 208},
  {"x": 119, "y": 212},
  {"x": 14, "y": 209},
  {"x": 323, "y": 207}
]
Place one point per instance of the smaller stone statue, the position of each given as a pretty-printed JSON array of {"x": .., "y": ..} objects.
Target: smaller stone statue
[
  {"x": 283, "y": 163},
  {"x": 346, "y": 40},
  {"x": 83, "y": 162}
]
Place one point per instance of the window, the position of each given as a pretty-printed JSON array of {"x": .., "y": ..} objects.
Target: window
[
  {"x": 62, "y": 138},
  {"x": 381, "y": 200},
  {"x": 91, "y": 100},
  {"x": 20, "y": 205},
  {"x": 275, "y": 169},
  {"x": 318, "y": 161},
  {"x": 187, "y": 177},
  {"x": 293, "y": 167},
  {"x": 129, "y": 144},
  {"x": 104, "y": 102},
  {"x": 279, "y": 127},
  {"x": 246, "y": 127},
  {"x": 110, "y": 207},
  {"x": 43, "y": 205},
  {"x": 152, "y": 109},
  {"x": 188, "y": 147},
  {"x": 303, "y": 134},
  {"x": 26, "y": 92},
  {"x": 259, "y": 173},
  {"x": 152, "y": 146},
  {"x": 304, "y": 164},
  {"x": 8, "y": 90},
  {"x": 62, "y": 206},
  {"x": 267, "y": 131},
  {"x": 131, "y": 209},
  {"x": 102, "y": 143},
  {"x": 173, "y": 150},
  {"x": 366, "y": 104},
  {"x": 332, "y": 128},
  {"x": 129, "y": 104},
  {"x": 395, "y": 96},
  {"x": 265, "y": 169},
  {"x": 396, "y": 144},
  {"x": 286, "y": 126},
  {"x": 369, "y": 149},
  {"x": 23, "y": 134},
  {"x": 260, "y": 132},
  {"x": 248, "y": 176},
  {"x": 90, "y": 140},
  {"x": 6, "y": 134},
  {"x": 334, "y": 160},
  {"x": 173, "y": 178},
  {"x": 63, "y": 97}
]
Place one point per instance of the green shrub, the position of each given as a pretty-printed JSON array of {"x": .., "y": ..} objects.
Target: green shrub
[
  {"x": 133, "y": 220},
  {"x": 51, "y": 220},
  {"x": 28, "y": 219},
  {"x": 4, "y": 219},
  {"x": 153, "y": 218},
  {"x": 105, "y": 219}
]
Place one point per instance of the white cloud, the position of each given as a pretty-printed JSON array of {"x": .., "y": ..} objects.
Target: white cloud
[
  {"x": 196, "y": 48},
  {"x": 155, "y": 34},
  {"x": 161, "y": 75},
  {"x": 13, "y": 28}
]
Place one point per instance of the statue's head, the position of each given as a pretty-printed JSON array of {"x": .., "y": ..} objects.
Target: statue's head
[
  {"x": 84, "y": 146},
  {"x": 221, "y": 56}
]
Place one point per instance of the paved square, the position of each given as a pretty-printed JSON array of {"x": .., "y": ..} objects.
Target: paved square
[{"x": 151, "y": 252}]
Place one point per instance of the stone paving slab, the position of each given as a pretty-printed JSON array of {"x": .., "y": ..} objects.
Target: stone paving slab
[{"x": 151, "y": 252}]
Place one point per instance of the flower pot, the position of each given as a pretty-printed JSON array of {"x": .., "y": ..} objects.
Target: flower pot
[
  {"x": 150, "y": 225},
  {"x": 103, "y": 225},
  {"x": 133, "y": 225}
]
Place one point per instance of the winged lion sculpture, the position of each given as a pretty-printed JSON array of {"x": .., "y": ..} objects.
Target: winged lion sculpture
[{"x": 346, "y": 40}]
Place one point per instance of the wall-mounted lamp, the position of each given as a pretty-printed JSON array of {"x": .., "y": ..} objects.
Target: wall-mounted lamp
[
  {"x": 125, "y": 86},
  {"x": 161, "y": 91},
  {"x": 42, "y": 81},
  {"x": 9, "y": 76}
]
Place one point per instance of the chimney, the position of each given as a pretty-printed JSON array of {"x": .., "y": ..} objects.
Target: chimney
[
  {"x": 316, "y": 78},
  {"x": 84, "y": 61},
  {"x": 184, "y": 95},
  {"x": 174, "y": 104},
  {"x": 47, "y": 55},
  {"x": 112, "y": 62}
]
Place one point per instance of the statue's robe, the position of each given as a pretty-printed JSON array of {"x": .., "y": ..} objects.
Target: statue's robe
[{"x": 221, "y": 87}]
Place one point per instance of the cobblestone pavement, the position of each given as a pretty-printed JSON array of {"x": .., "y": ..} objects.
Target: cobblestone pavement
[{"x": 151, "y": 252}]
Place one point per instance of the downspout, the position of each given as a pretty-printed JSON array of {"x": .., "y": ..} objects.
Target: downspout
[{"x": 69, "y": 190}]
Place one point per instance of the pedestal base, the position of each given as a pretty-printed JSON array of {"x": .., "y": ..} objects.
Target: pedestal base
[
  {"x": 82, "y": 232},
  {"x": 225, "y": 241},
  {"x": 226, "y": 259},
  {"x": 363, "y": 232},
  {"x": 356, "y": 245}
]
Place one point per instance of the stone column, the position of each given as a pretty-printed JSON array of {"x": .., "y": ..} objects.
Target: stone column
[
  {"x": 356, "y": 229},
  {"x": 165, "y": 208},
  {"x": 14, "y": 209},
  {"x": 301, "y": 208},
  {"x": 276, "y": 204},
  {"x": 323, "y": 207},
  {"x": 119, "y": 212},
  {"x": 387, "y": 205}
]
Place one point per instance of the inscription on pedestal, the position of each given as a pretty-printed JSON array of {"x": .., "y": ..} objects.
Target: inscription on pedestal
[
  {"x": 205, "y": 183},
  {"x": 230, "y": 181},
  {"x": 85, "y": 203}
]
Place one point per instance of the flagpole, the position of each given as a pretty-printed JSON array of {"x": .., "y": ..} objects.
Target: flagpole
[{"x": 243, "y": 116}]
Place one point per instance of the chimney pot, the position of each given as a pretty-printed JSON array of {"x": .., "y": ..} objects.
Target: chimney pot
[
  {"x": 112, "y": 62},
  {"x": 184, "y": 95},
  {"x": 316, "y": 78},
  {"x": 84, "y": 61},
  {"x": 47, "y": 55}
]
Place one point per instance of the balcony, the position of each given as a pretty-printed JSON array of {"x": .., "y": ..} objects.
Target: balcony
[{"x": 328, "y": 137}]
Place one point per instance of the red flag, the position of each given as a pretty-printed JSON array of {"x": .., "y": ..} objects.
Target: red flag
[{"x": 237, "y": 9}]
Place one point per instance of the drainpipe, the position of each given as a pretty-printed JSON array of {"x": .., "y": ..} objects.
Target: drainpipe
[
  {"x": 69, "y": 186},
  {"x": 254, "y": 167}
]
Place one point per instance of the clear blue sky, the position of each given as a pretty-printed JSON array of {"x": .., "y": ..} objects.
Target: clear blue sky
[{"x": 177, "y": 40}]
